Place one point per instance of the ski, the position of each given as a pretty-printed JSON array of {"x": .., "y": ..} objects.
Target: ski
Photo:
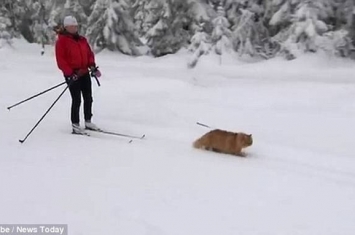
[
  {"x": 118, "y": 134},
  {"x": 84, "y": 134}
]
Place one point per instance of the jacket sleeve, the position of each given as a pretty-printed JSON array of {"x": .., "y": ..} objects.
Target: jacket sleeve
[
  {"x": 91, "y": 56},
  {"x": 61, "y": 59}
]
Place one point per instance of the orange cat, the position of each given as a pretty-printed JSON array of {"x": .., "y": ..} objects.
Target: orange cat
[{"x": 224, "y": 142}]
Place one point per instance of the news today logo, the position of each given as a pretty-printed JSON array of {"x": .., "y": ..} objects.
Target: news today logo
[{"x": 34, "y": 229}]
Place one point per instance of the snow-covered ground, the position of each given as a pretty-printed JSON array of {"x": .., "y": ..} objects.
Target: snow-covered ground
[{"x": 299, "y": 177}]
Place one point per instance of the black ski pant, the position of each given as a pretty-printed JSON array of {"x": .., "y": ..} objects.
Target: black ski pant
[{"x": 82, "y": 86}]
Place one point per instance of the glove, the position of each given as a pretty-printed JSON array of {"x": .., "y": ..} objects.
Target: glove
[
  {"x": 95, "y": 72},
  {"x": 71, "y": 78}
]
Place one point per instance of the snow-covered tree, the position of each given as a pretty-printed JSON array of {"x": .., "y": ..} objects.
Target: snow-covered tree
[
  {"x": 200, "y": 45},
  {"x": 96, "y": 22},
  {"x": 221, "y": 34},
  {"x": 173, "y": 30},
  {"x": 278, "y": 13},
  {"x": 231, "y": 8},
  {"x": 250, "y": 34},
  {"x": 253, "y": 27},
  {"x": 345, "y": 19},
  {"x": 307, "y": 25},
  {"x": 146, "y": 14},
  {"x": 157, "y": 35},
  {"x": 343, "y": 13},
  {"x": 40, "y": 21},
  {"x": 335, "y": 43},
  {"x": 139, "y": 12},
  {"x": 15, "y": 10},
  {"x": 57, "y": 13},
  {"x": 300, "y": 26},
  {"x": 341, "y": 40},
  {"x": 119, "y": 29},
  {"x": 6, "y": 26},
  {"x": 111, "y": 26},
  {"x": 41, "y": 29},
  {"x": 87, "y": 6}
]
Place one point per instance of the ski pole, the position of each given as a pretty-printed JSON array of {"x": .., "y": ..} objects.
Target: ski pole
[
  {"x": 22, "y": 141},
  {"x": 41, "y": 93},
  {"x": 97, "y": 80}
]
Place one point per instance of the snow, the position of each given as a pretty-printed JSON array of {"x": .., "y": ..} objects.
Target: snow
[{"x": 298, "y": 178}]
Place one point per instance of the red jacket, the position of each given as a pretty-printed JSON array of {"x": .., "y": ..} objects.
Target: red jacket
[{"x": 73, "y": 54}]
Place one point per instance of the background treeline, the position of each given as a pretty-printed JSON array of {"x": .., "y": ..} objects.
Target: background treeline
[{"x": 256, "y": 28}]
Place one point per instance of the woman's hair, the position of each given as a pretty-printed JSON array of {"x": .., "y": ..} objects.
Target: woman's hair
[{"x": 58, "y": 29}]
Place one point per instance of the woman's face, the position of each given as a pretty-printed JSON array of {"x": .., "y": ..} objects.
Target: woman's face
[{"x": 72, "y": 29}]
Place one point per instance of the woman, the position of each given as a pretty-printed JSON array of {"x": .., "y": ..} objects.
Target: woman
[{"x": 75, "y": 57}]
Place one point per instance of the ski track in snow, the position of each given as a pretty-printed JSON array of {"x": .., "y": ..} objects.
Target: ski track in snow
[{"x": 299, "y": 177}]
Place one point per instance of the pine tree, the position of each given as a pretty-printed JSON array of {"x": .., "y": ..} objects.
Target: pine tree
[
  {"x": 200, "y": 45},
  {"x": 173, "y": 30},
  {"x": 343, "y": 13},
  {"x": 146, "y": 14},
  {"x": 139, "y": 13},
  {"x": 87, "y": 6},
  {"x": 279, "y": 14},
  {"x": 231, "y": 8},
  {"x": 345, "y": 20},
  {"x": 221, "y": 35},
  {"x": 340, "y": 40},
  {"x": 42, "y": 32},
  {"x": 41, "y": 26},
  {"x": 183, "y": 23},
  {"x": 300, "y": 26},
  {"x": 307, "y": 25},
  {"x": 111, "y": 26},
  {"x": 96, "y": 22},
  {"x": 57, "y": 13},
  {"x": 253, "y": 27},
  {"x": 15, "y": 8},
  {"x": 157, "y": 34},
  {"x": 250, "y": 34},
  {"x": 6, "y": 26}
]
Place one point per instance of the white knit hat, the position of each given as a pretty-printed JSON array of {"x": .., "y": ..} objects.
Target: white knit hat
[{"x": 69, "y": 21}]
